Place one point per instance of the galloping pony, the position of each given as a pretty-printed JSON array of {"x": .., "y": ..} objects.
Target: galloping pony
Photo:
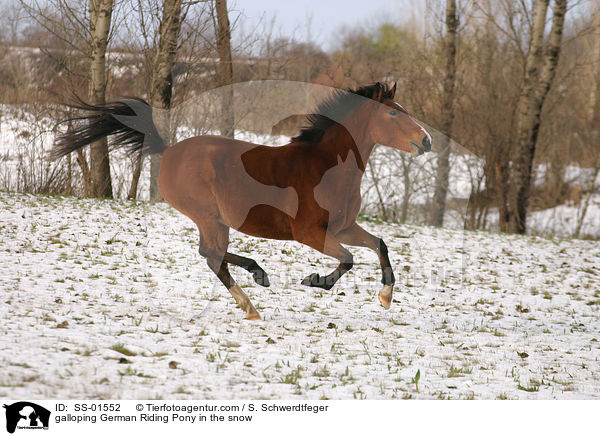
[{"x": 307, "y": 190}]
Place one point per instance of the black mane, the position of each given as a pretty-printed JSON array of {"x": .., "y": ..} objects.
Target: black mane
[{"x": 339, "y": 104}]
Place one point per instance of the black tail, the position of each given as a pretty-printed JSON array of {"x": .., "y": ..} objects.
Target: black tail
[{"x": 128, "y": 123}]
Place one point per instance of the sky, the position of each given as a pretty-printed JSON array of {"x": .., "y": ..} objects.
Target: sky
[{"x": 320, "y": 20}]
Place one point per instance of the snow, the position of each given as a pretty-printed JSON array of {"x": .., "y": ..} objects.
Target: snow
[
  {"x": 99, "y": 298},
  {"x": 562, "y": 220}
]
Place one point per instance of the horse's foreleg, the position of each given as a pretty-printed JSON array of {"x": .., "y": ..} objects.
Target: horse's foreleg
[
  {"x": 250, "y": 265},
  {"x": 331, "y": 247},
  {"x": 357, "y": 236}
]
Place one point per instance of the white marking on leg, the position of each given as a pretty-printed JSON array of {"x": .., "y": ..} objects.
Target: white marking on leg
[
  {"x": 385, "y": 296},
  {"x": 244, "y": 302}
]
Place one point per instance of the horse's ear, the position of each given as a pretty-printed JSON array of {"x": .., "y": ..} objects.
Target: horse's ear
[
  {"x": 393, "y": 91},
  {"x": 378, "y": 92}
]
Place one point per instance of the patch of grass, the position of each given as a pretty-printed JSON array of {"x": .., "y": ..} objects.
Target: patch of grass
[
  {"x": 152, "y": 330},
  {"x": 416, "y": 379},
  {"x": 534, "y": 386},
  {"x": 160, "y": 354},
  {"x": 358, "y": 394},
  {"x": 120, "y": 348},
  {"x": 310, "y": 308},
  {"x": 459, "y": 372},
  {"x": 86, "y": 352},
  {"x": 321, "y": 372},
  {"x": 292, "y": 377}
]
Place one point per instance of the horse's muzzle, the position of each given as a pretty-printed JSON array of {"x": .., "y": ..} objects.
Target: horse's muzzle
[
  {"x": 418, "y": 150},
  {"x": 426, "y": 143},
  {"x": 424, "y": 147}
]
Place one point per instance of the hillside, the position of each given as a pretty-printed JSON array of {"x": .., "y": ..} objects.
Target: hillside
[{"x": 110, "y": 299}]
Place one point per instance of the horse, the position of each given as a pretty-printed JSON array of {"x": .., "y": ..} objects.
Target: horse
[{"x": 307, "y": 190}]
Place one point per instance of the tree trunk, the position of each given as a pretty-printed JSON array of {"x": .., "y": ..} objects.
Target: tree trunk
[
  {"x": 594, "y": 101},
  {"x": 585, "y": 203},
  {"x": 384, "y": 214},
  {"x": 100, "y": 20},
  {"x": 496, "y": 147},
  {"x": 540, "y": 69},
  {"x": 227, "y": 119},
  {"x": 135, "y": 179},
  {"x": 161, "y": 88},
  {"x": 501, "y": 185},
  {"x": 438, "y": 206},
  {"x": 593, "y": 116},
  {"x": 85, "y": 174},
  {"x": 406, "y": 165},
  {"x": 69, "y": 184}
]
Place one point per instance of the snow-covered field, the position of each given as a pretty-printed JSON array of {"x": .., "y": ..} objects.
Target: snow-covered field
[{"x": 110, "y": 299}]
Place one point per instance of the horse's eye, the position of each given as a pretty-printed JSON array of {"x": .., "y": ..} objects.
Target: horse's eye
[{"x": 393, "y": 112}]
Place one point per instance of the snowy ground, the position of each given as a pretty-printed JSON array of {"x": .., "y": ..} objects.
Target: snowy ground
[{"x": 109, "y": 299}]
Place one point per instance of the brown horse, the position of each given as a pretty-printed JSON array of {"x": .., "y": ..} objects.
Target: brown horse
[{"x": 307, "y": 190}]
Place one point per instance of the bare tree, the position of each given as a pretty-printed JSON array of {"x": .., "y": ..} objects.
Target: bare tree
[
  {"x": 438, "y": 206},
  {"x": 61, "y": 29},
  {"x": 12, "y": 19},
  {"x": 100, "y": 20},
  {"x": 540, "y": 68},
  {"x": 593, "y": 121},
  {"x": 161, "y": 89},
  {"x": 225, "y": 68},
  {"x": 594, "y": 100}
]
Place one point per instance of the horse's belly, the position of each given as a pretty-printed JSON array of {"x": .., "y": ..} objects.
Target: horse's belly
[{"x": 239, "y": 195}]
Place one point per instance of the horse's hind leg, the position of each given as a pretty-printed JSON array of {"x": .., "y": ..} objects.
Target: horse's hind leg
[
  {"x": 219, "y": 267},
  {"x": 250, "y": 265},
  {"x": 214, "y": 239}
]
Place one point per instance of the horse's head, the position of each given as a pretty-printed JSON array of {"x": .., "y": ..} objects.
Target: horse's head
[{"x": 391, "y": 125}]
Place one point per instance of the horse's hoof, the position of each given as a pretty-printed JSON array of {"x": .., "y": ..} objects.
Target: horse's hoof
[
  {"x": 261, "y": 278},
  {"x": 385, "y": 296},
  {"x": 385, "y": 302},
  {"x": 316, "y": 281},
  {"x": 312, "y": 280},
  {"x": 253, "y": 316}
]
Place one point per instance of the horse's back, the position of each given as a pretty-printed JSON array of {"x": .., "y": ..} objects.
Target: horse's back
[{"x": 197, "y": 159}]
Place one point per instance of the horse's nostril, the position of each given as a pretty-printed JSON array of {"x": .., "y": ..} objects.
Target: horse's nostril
[{"x": 426, "y": 143}]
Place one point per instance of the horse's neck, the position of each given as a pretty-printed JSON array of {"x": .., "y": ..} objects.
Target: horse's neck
[{"x": 341, "y": 146}]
